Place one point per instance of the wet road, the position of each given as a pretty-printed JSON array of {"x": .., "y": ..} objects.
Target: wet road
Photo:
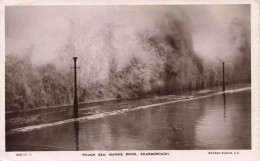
[{"x": 220, "y": 121}]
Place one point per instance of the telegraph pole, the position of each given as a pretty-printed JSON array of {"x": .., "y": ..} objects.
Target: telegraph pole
[
  {"x": 75, "y": 106},
  {"x": 223, "y": 82}
]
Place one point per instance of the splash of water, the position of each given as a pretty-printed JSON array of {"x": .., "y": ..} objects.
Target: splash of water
[{"x": 149, "y": 54}]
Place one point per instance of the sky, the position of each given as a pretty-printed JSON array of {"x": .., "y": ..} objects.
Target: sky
[{"x": 46, "y": 33}]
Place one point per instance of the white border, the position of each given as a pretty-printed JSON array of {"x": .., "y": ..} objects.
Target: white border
[{"x": 251, "y": 155}]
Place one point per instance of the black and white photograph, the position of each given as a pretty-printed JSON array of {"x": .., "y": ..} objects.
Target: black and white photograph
[{"x": 128, "y": 78}]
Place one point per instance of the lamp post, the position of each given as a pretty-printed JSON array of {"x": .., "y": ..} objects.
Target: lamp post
[
  {"x": 223, "y": 81},
  {"x": 75, "y": 106}
]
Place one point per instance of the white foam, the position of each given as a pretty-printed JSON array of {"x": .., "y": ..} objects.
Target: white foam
[{"x": 105, "y": 114}]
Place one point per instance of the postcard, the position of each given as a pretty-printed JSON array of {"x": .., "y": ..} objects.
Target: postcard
[{"x": 129, "y": 80}]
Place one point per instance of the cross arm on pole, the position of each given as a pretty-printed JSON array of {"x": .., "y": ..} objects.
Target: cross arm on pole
[{"x": 74, "y": 67}]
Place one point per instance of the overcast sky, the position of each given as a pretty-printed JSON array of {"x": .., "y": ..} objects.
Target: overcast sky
[{"x": 45, "y": 30}]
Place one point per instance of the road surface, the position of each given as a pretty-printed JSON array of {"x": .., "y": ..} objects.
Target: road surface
[{"x": 205, "y": 120}]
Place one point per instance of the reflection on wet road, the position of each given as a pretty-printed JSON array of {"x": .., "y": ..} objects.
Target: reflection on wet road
[{"x": 218, "y": 122}]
